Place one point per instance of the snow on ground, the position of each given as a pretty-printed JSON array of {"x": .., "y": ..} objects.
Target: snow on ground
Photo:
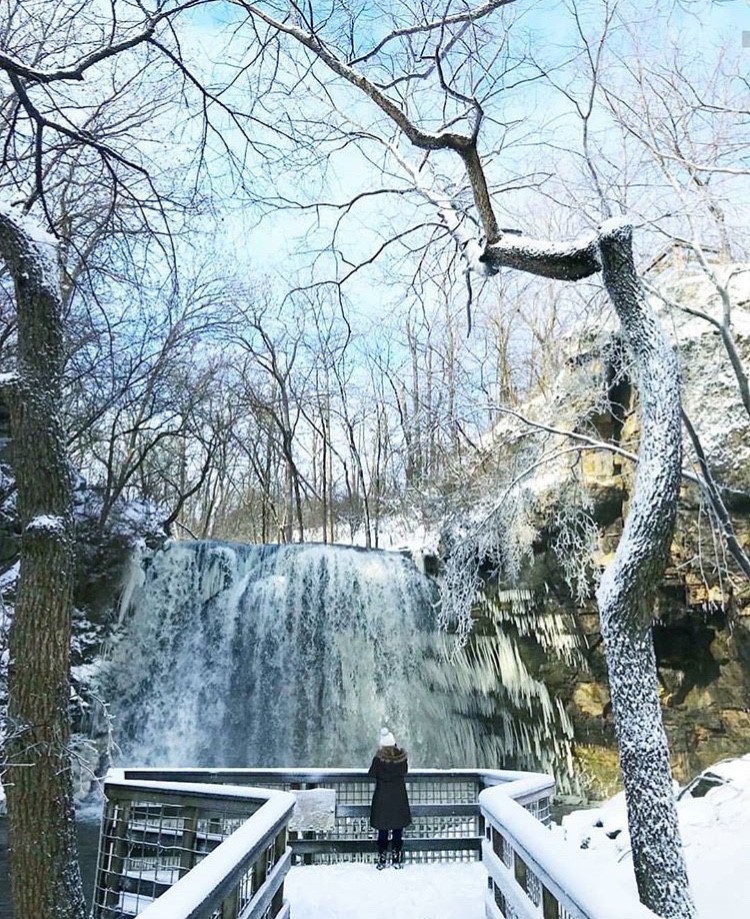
[
  {"x": 716, "y": 837},
  {"x": 412, "y": 531},
  {"x": 354, "y": 891}
]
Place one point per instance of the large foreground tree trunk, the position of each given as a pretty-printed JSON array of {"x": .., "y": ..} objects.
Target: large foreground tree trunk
[
  {"x": 626, "y": 593},
  {"x": 45, "y": 878}
]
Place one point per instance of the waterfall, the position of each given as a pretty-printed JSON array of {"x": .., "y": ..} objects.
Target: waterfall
[{"x": 238, "y": 655}]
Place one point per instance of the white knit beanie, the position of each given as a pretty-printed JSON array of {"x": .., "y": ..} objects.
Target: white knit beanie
[{"x": 386, "y": 738}]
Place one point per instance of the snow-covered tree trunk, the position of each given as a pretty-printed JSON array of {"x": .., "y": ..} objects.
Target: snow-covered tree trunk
[
  {"x": 627, "y": 589},
  {"x": 45, "y": 878}
]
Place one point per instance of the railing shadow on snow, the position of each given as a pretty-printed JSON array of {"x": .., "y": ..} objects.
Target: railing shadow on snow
[{"x": 216, "y": 843}]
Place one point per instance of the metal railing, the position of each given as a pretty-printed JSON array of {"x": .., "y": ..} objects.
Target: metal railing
[
  {"x": 446, "y": 819},
  {"x": 533, "y": 875},
  {"x": 184, "y": 850},
  {"x": 214, "y": 843}
]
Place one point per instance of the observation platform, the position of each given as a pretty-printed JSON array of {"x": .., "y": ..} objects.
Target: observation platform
[
  {"x": 281, "y": 843},
  {"x": 352, "y": 891}
]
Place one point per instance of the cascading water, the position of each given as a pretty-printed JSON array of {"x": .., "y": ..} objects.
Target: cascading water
[{"x": 238, "y": 655}]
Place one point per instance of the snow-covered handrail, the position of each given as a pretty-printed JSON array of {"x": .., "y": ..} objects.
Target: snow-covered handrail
[
  {"x": 517, "y": 784},
  {"x": 532, "y": 791},
  {"x": 153, "y": 833},
  {"x": 532, "y": 876},
  {"x": 242, "y": 827},
  {"x": 444, "y": 803}
]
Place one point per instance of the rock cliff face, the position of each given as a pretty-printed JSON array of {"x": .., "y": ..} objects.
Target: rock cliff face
[{"x": 702, "y": 611}]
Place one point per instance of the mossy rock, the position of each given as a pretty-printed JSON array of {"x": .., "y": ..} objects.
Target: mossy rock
[{"x": 598, "y": 769}]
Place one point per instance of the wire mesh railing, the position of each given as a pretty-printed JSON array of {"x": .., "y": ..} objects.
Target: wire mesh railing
[
  {"x": 216, "y": 844},
  {"x": 531, "y": 874},
  {"x": 222, "y": 852},
  {"x": 447, "y": 824}
]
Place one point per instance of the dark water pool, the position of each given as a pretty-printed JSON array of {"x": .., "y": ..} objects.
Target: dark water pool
[{"x": 88, "y": 839}]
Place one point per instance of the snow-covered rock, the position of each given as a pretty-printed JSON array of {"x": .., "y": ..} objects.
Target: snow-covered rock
[{"x": 546, "y": 511}]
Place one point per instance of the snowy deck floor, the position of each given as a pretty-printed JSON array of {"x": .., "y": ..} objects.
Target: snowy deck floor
[{"x": 452, "y": 891}]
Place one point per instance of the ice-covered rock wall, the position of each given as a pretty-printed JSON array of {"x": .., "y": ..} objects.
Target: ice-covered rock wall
[{"x": 239, "y": 655}]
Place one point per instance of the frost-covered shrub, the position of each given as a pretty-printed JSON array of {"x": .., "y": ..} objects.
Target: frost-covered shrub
[
  {"x": 496, "y": 546},
  {"x": 574, "y": 543}
]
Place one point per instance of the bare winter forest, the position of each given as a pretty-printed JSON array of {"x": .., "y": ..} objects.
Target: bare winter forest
[{"x": 280, "y": 270}]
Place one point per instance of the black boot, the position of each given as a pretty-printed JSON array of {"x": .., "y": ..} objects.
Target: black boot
[
  {"x": 397, "y": 858},
  {"x": 381, "y": 859}
]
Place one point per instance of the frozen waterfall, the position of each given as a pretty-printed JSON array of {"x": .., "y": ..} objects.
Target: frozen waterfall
[{"x": 239, "y": 655}]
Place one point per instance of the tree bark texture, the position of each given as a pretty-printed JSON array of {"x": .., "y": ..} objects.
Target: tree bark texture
[
  {"x": 626, "y": 592},
  {"x": 45, "y": 878}
]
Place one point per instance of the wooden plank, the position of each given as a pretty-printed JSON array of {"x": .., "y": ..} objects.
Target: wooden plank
[
  {"x": 417, "y": 810},
  {"x": 189, "y": 840},
  {"x": 151, "y": 844},
  {"x": 352, "y": 846},
  {"x": 213, "y": 800},
  {"x": 151, "y": 841},
  {"x": 113, "y": 877},
  {"x": 312, "y": 778},
  {"x": 146, "y": 887},
  {"x": 264, "y": 896}
]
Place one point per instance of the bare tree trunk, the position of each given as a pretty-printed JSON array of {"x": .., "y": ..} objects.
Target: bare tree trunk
[
  {"x": 626, "y": 592},
  {"x": 359, "y": 453},
  {"x": 450, "y": 375},
  {"x": 45, "y": 879},
  {"x": 298, "y": 504},
  {"x": 415, "y": 404},
  {"x": 332, "y": 521},
  {"x": 324, "y": 474},
  {"x": 429, "y": 441},
  {"x": 288, "y": 528},
  {"x": 266, "y": 486}
]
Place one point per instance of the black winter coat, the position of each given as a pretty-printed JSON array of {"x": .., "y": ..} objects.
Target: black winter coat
[{"x": 390, "y": 804}]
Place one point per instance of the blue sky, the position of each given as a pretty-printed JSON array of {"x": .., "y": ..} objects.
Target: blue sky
[{"x": 275, "y": 244}]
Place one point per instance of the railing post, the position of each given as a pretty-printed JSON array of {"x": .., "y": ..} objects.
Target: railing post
[
  {"x": 278, "y": 898},
  {"x": 259, "y": 871},
  {"x": 520, "y": 871},
  {"x": 295, "y": 834},
  {"x": 114, "y": 872},
  {"x": 230, "y": 904},
  {"x": 550, "y": 906},
  {"x": 187, "y": 844},
  {"x": 307, "y": 859},
  {"x": 104, "y": 853}
]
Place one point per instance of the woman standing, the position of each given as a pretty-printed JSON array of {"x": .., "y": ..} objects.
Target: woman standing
[{"x": 390, "y": 805}]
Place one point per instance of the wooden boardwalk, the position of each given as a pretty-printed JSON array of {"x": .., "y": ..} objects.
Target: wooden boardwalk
[{"x": 354, "y": 891}]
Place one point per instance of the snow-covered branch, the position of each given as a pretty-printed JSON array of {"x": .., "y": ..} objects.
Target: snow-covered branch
[
  {"x": 565, "y": 261},
  {"x": 704, "y": 481},
  {"x": 465, "y": 145},
  {"x": 466, "y": 16},
  {"x": 77, "y": 70}
]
